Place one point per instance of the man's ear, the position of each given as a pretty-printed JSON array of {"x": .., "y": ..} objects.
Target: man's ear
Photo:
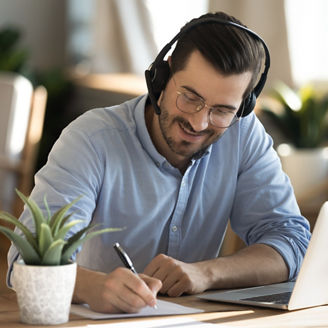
[
  {"x": 160, "y": 99},
  {"x": 169, "y": 60}
]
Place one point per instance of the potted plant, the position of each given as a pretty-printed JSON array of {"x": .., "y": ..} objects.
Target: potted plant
[
  {"x": 302, "y": 119},
  {"x": 44, "y": 278}
]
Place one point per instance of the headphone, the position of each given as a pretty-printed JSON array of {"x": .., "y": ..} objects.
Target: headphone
[{"x": 157, "y": 75}]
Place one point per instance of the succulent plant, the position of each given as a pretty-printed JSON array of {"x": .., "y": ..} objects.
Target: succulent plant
[{"x": 47, "y": 245}]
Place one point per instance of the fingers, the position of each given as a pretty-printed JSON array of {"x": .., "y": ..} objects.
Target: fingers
[
  {"x": 124, "y": 291},
  {"x": 153, "y": 284},
  {"x": 156, "y": 264},
  {"x": 175, "y": 281},
  {"x": 119, "y": 291},
  {"x": 131, "y": 292}
]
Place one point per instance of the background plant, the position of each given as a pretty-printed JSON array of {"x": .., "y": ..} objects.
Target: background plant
[
  {"x": 47, "y": 245},
  {"x": 301, "y": 116},
  {"x": 15, "y": 57}
]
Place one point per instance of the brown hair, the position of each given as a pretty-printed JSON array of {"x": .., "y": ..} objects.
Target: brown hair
[{"x": 230, "y": 49}]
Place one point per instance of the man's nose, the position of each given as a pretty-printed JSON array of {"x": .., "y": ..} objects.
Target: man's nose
[{"x": 200, "y": 120}]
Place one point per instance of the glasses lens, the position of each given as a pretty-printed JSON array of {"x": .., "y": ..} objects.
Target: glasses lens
[
  {"x": 189, "y": 103},
  {"x": 222, "y": 119}
]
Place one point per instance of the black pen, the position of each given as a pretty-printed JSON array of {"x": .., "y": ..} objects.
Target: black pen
[
  {"x": 126, "y": 260},
  {"x": 124, "y": 257}
]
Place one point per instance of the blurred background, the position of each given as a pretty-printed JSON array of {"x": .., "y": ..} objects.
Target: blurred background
[{"x": 91, "y": 53}]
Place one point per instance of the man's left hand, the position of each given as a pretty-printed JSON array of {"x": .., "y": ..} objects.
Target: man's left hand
[{"x": 177, "y": 277}]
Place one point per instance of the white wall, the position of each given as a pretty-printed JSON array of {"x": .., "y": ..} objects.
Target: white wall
[{"x": 43, "y": 26}]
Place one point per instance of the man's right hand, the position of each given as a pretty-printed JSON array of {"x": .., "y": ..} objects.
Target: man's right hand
[{"x": 119, "y": 291}]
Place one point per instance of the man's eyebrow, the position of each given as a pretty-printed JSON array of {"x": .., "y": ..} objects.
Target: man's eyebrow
[{"x": 192, "y": 90}]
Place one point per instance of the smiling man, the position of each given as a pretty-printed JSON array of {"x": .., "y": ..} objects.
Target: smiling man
[
  {"x": 187, "y": 125},
  {"x": 173, "y": 167}
]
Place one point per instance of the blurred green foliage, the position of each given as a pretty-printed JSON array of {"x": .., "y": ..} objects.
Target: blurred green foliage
[
  {"x": 302, "y": 116},
  {"x": 14, "y": 57}
]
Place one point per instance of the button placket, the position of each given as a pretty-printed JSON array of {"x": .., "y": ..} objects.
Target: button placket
[{"x": 175, "y": 227}]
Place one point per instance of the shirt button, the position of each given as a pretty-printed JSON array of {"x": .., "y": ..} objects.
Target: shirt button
[
  {"x": 174, "y": 228},
  {"x": 158, "y": 164}
]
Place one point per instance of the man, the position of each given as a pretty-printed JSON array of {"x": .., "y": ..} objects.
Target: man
[{"x": 174, "y": 178}]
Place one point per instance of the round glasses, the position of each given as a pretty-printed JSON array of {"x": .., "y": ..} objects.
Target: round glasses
[{"x": 188, "y": 102}]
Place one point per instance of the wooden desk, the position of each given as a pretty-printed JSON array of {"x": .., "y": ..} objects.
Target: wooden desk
[{"x": 218, "y": 313}]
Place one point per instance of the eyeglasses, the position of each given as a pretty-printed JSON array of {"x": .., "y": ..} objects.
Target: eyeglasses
[{"x": 188, "y": 102}]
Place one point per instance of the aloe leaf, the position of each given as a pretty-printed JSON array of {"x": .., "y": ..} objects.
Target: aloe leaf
[
  {"x": 28, "y": 253},
  {"x": 45, "y": 238},
  {"x": 57, "y": 218},
  {"x": 47, "y": 208},
  {"x": 28, "y": 234},
  {"x": 63, "y": 231},
  {"x": 74, "y": 243},
  {"x": 78, "y": 235},
  {"x": 35, "y": 210},
  {"x": 64, "y": 220},
  {"x": 53, "y": 254}
]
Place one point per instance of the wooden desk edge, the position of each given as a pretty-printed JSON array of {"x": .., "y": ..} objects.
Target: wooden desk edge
[{"x": 218, "y": 313}]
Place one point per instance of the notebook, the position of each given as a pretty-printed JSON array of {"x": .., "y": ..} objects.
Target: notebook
[{"x": 310, "y": 288}]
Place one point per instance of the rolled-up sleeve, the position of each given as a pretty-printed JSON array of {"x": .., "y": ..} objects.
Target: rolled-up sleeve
[
  {"x": 265, "y": 209},
  {"x": 64, "y": 179}
]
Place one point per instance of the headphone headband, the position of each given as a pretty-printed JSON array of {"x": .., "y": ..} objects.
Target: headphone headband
[{"x": 158, "y": 73}]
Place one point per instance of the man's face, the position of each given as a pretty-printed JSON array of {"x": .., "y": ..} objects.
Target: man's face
[{"x": 187, "y": 134}]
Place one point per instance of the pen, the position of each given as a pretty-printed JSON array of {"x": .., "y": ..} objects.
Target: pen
[
  {"x": 126, "y": 260},
  {"x": 124, "y": 257}
]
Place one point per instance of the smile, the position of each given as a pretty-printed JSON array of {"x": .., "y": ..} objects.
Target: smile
[{"x": 188, "y": 135}]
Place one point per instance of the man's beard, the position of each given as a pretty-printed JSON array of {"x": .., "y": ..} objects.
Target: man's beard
[{"x": 182, "y": 147}]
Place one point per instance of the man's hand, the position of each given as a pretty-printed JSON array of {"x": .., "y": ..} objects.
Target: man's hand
[
  {"x": 254, "y": 265},
  {"x": 118, "y": 291},
  {"x": 178, "y": 277}
]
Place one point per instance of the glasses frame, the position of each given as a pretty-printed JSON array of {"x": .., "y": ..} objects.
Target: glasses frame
[{"x": 202, "y": 105}]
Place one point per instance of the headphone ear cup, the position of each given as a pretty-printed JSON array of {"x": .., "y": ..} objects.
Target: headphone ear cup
[
  {"x": 248, "y": 106},
  {"x": 156, "y": 79},
  {"x": 161, "y": 74}
]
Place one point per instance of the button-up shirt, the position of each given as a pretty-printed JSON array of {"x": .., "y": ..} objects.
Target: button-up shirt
[{"x": 108, "y": 156}]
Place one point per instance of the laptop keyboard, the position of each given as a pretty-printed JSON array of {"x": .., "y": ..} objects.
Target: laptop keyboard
[{"x": 281, "y": 298}]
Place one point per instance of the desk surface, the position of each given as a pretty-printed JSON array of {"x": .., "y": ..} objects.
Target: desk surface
[{"x": 217, "y": 313}]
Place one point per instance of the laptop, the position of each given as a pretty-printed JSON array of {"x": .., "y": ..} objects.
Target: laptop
[{"x": 310, "y": 288}]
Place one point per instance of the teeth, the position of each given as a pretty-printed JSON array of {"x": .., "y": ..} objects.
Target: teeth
[{"x": 186, "y": 130}]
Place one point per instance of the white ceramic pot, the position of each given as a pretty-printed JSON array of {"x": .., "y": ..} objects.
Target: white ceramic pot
[
  {"x": 44, "y": 293},
  {"x": 306, "y": 168}
]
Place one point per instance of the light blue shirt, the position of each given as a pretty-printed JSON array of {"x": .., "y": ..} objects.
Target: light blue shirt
[{"x": 108, "y": 156}]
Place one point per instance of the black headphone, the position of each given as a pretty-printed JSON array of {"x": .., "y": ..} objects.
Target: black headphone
[{"x": 159, "y": 71}]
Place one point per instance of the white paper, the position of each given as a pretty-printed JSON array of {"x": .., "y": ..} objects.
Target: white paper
[
  {"x": 163, "y": 308},
  {"x": 162, "y": 323}
]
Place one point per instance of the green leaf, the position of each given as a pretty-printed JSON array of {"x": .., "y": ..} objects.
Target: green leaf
[
  {"x": 35, "y": 211},
  {"x": 76, "y": 241},
  {"x": 63, "y": 222},
  {"x": 63, "y": 231},
  {"x": 45, "y": 238},
  {"x": 28, "y": 234},
  {"x": 78, "y": 235},
  {"x": 28, "y": 253},
  {"x": 47, "y": 208},
  {"x": 53, "y": 254},
  {"x": 57, "y": 219}
]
